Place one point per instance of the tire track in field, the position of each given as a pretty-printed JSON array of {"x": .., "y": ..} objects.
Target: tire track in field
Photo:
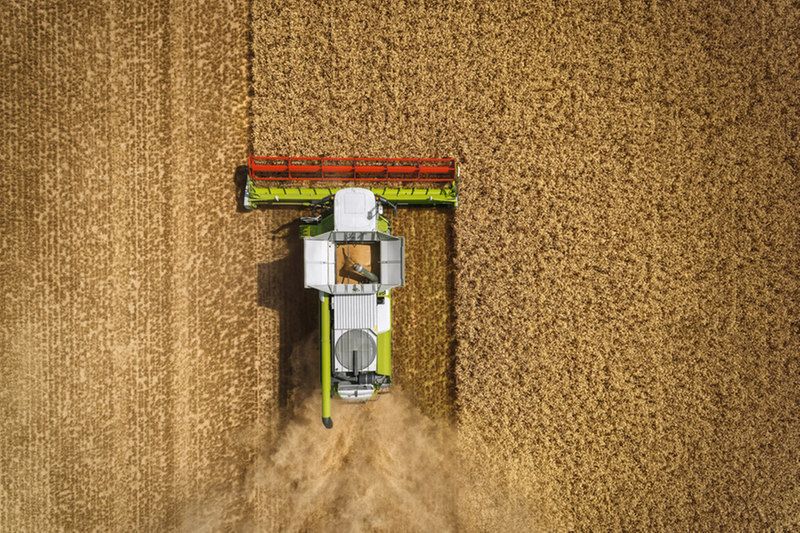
[{"x": 221, "y": 383}]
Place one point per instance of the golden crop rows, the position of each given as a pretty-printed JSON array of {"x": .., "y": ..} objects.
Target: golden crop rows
[{"x": 603, "y": 335}]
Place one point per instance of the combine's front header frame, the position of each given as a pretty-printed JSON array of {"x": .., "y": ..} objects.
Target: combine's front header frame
[{"x": 305, "y": 180}]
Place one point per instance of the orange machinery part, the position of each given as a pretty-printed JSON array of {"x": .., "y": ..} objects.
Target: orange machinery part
[{"x": 364, "y": 169}]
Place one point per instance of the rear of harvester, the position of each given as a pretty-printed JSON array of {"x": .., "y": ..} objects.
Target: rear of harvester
[{"x": 349, "y": 253}]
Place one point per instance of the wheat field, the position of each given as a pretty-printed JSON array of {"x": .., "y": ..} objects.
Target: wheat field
[{"x": 605, "y": 334}]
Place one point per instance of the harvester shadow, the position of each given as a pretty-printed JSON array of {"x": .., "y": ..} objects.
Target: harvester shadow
[
  {"x": 239, "y": 181},
  {"x": 280, "y": 287}
]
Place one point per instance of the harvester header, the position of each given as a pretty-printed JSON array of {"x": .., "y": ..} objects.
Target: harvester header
[{"x": 307, "y": 180}]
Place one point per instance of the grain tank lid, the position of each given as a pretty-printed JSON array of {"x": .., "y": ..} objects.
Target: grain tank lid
[
  {"x": 393, "y": 263},
  {"x": 355, "y": 209},
  {"x": 319, "y": 264}
]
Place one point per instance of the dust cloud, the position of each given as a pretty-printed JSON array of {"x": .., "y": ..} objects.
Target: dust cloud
[{"x": 384, "y": 466}]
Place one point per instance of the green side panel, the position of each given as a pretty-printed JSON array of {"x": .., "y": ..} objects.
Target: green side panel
[
  {"x": 385, "y": 353},
  {"x": 383, "y": 225},
  {"x": 384, "y": 365},
  {"x": 326, "y": 224},
  {"x": 312, "y": 230},
  {"x": 259, "y": 194},
  {"x": 325, "y": 352}
]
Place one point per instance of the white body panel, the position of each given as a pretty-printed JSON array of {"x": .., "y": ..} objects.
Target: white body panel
[
  {"x": 384, "y": 315},
  {"x": 355, "y": 209},
  {"x": 319, "y": 261},
  {"x": 355, "y": 311},
  {"x": 392, "y": 262}
]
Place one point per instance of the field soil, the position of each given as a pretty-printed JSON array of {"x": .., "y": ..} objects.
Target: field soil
[{"x": 604, "y": 335}]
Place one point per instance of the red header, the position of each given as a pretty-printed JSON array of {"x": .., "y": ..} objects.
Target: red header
[{"x": 362, "y": 169}]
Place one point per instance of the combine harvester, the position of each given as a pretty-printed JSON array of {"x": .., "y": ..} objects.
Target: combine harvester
[{"x": 349, "y": 253}]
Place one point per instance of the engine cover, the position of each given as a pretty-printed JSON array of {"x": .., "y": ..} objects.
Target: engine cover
[{"x": 356, "y": 349}]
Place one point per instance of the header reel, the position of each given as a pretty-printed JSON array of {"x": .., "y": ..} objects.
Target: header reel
[{"x": 313, "y": 181}]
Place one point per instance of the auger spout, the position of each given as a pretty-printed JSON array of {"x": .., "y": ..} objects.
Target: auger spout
[{"x": 325, "y": 356}]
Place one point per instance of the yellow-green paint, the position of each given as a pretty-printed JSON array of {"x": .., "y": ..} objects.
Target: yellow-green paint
[
  {"x": 275, "y": 194},
  {"x": 385, "y": 353},
  {"x": 325, "y": 353},
  {"x": 326, "y": 224},
  {"x": 383, "y": 225}
]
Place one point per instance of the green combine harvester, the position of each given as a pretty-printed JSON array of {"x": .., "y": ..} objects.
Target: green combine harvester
[{"x": 349, "y": 253}]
